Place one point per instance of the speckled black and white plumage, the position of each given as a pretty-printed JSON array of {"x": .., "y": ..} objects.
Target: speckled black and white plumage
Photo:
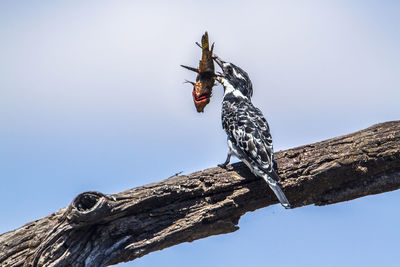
[{"x": 248, "y": 132}]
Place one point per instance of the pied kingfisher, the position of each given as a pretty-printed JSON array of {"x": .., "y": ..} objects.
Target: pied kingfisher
[{"x": 248, "y": 133}]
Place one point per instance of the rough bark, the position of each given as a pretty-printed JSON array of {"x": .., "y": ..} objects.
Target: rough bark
[{"x": 101, "y": 230}]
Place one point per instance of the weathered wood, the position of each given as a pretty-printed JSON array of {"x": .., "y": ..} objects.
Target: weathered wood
[{"x": 100, "y": 230}]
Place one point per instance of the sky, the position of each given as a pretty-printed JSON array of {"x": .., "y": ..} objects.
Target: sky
[{"x": 92, "y": 98}]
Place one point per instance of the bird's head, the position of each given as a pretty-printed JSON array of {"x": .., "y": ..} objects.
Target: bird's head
[{"x": 234, "y": 79}]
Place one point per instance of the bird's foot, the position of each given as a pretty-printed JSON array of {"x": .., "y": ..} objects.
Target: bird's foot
[{"x": 223, "y": 165}]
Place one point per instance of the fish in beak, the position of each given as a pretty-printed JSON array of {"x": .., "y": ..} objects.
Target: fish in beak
[{"x": 205, "y": 80}]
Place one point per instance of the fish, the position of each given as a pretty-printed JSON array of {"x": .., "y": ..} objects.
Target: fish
[{"x": 205, "y": 80}]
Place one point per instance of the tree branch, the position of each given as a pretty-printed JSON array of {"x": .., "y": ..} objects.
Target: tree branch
[{"x": 101, "y": 230}]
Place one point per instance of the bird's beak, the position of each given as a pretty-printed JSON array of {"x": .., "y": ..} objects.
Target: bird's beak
[{"x": 219, "y": 61}]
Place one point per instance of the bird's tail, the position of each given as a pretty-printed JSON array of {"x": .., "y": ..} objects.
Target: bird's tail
[{"x": 277, "y": 190}]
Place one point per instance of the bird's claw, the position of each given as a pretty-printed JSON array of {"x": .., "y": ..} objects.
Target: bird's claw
[{"x": 223, "y": 165}]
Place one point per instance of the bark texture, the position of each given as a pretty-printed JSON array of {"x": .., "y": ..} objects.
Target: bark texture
[{"x": 101, "y": 230}]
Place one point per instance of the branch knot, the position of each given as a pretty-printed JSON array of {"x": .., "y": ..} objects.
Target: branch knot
[{"x": 88, "y": 208}]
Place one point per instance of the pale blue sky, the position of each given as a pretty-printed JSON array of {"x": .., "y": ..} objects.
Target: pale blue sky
[{"x": 92, "y": 98}]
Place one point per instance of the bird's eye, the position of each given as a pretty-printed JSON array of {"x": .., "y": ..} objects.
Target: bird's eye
[{"x": 229, "y": 70}]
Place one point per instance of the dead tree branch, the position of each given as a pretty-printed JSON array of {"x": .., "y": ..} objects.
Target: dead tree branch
[{"x": 100, "y": 230}]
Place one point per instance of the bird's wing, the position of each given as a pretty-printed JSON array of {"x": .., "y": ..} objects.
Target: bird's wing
[{"x": 250, "y": 133}]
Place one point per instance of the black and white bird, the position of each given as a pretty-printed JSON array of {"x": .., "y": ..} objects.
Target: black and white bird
[{"x": 249, "y": 138}]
